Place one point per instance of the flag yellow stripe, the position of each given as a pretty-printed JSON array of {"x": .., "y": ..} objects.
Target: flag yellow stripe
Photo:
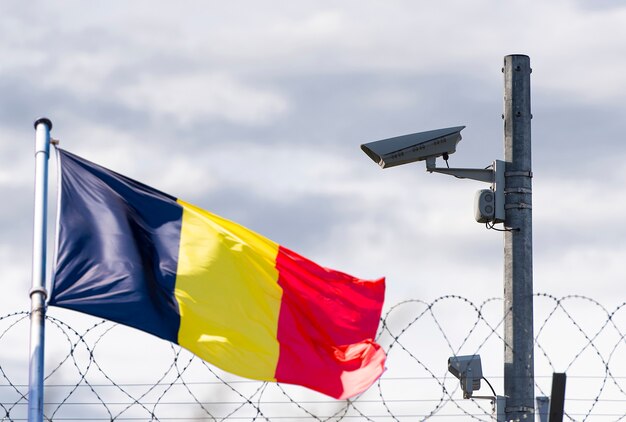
[{"x": 228, "y": 295}]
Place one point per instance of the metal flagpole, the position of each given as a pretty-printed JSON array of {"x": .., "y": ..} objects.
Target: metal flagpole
[{"x": 38, "y": 292}]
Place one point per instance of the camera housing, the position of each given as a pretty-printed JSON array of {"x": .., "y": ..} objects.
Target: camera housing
[
  {"x": 468, "y": 370},
  {"x": 427, "y": 146},
  {"x": 419, "y": 146},
  {"x": 485, "y": 206}
]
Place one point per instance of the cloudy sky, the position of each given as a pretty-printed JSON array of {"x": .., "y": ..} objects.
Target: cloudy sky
[{"x": 256, "y": 111}]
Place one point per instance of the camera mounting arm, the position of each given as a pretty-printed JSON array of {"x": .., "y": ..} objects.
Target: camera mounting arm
[{"x": 494, "y": 175}]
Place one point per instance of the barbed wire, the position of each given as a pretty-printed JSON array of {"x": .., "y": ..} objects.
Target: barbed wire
[{"x": 101, "y": 371}]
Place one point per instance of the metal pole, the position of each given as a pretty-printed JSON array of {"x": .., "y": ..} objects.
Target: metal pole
[
  {"x": 500, "y": 408},
  {"x": 557, "y": 397},
  {"x": 543, "y": 408},
  {"x": 518, "y": 265},
  {"x": 38, "y": 291}
]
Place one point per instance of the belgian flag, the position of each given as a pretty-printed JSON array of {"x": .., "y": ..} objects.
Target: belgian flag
[{"x": 140, "y": 257}]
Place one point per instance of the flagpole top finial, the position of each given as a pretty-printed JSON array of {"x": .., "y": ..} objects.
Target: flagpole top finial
[{"x": 45, "y": 121}]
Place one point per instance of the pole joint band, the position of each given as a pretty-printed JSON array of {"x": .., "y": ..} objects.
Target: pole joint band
[
  {"x": 523, "y": 409},
  {"x": 519, "y": 206},
  {"x": 518, "y": 174},
  {"x": 518, "y": 190},
  {"x": 40, "y": 290}
]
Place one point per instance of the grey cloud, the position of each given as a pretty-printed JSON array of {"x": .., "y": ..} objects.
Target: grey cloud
[
  {"x": 15, "y": 221},
  {"x": 571, "y": 136},
  {"x": 335, "y": 105},
  {"x": 599, "y": 5},
  {"x": 298, "y": 223},
  {"x": 23, "y": 101},
  {"x": 336, "y": 110}
]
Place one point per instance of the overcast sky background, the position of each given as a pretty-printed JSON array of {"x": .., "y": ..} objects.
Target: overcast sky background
[{"x": 256, "y": 111}]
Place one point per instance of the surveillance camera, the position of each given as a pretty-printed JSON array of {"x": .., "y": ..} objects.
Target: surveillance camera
[
  {"x": 414, "y": 147},
  {"x": 468, "y": 370}
]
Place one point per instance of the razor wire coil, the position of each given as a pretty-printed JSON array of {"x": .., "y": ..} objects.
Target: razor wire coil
[{"x": 573, "y": 334}]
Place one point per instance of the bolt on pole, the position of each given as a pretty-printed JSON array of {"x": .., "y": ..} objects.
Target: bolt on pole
[{"x": 518, "y": 265}]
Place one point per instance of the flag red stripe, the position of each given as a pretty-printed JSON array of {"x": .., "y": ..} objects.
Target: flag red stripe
[{"x": 326, "y": 327}]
